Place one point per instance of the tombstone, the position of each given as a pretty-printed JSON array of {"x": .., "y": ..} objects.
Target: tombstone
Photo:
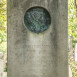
[
  {"x": 1, "y": 64},
  {"x": 70, "y": 71},
  {"x": 1, "y": 55},
  {"x": 37, "y": 38},
  {"x": 1, "y": 67},
  {"x": 70, "y": 44}
]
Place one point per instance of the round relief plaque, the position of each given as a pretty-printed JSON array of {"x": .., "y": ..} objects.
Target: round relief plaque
[{"x": 37, "y": 19}]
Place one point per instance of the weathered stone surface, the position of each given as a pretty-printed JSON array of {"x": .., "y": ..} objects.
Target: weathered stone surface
[
  {"x": 37, "y": 55},
  {"x": 1, "y": 55},
  {"x": 1, "y": 67},
  {"x": 70, "y": 71}
]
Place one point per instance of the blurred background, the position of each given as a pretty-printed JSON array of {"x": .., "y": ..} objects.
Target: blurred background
[
  {"x": 3, "y": 38},
  {"x": 72, "y": 38}
]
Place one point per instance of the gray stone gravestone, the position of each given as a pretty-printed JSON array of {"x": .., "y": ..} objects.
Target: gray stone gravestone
[
  {"x": 1, "y": 64},
  {"x": 70, "y": 71},
  {"x": 37, "y": 38}
]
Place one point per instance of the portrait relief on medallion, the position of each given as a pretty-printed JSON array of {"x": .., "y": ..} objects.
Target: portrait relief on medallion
[{"x": 37, "y": 19}]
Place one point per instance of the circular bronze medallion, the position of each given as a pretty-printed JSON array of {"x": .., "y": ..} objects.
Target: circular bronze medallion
[{"x": 37, "y": 19}]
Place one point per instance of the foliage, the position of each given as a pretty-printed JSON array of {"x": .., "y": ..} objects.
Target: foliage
[
  {"x": 72, "y": 20},
  {"x": 3, "y": 27},
  {"x": 72, "y": 26},
  {"x": 5, "y": 69},
  {"x": 73, "y": 64}
]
